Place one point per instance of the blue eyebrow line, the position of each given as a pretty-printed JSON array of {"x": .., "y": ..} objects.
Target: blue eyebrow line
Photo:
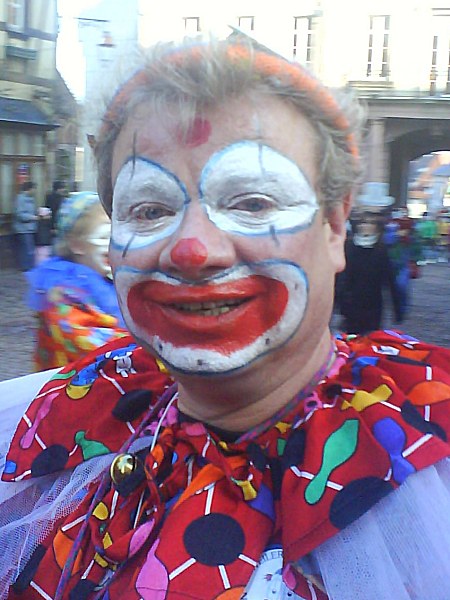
[
  {"x": 208, "y": 167},
  {"x": 138, "y": 158},
  {"x": 211, "y": 163}
]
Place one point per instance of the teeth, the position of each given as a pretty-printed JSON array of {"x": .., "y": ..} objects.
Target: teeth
[{"x": 208, "y": 308}]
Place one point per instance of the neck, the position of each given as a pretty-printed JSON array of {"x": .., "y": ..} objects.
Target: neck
[{"x": 240, "y": 402}]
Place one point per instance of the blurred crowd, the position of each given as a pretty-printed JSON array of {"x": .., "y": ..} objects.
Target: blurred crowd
[
  {"x": 62, "y": 247},
  {"x": 384, "y": 251}
]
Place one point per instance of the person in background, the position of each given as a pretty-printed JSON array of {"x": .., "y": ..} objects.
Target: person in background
[
  {"x": 368, "y": 270},
  {"x": 231, "y": 447},
  {"x": 44, "y": 234},
  {"x": 427, "y": 232},
  {"x": 443, "y": 236},
  {"x": 25, "y": 225},
  {"x": 53, "y": 200},
  {"x": 72, "y": 292},
  {"x": 405, "y": 253}
]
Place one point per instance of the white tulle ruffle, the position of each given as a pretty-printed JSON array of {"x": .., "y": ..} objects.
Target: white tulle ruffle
[{"x": 398, "y": 550}]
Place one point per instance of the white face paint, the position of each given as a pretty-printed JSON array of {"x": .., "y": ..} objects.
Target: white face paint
[
  {"x": 170, "y": 336},
  {"x": 251, "y": 189},
  {"x": 246, "y": 189},
  {"x": 148, "y": 203}
]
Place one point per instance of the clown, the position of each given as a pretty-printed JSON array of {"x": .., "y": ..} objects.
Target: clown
[
  {"x": 238, "y": 449},
  {"x": 221, "y": 246},
  {"x": 255, "y": 300}
]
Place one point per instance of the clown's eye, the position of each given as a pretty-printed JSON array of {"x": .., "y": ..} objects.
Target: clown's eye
[
  {"x": 151, "y": 212},
  {"x": 251, "y": 203}
]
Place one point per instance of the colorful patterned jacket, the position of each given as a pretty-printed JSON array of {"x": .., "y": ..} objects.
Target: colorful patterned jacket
[{"x": 345, "y": 496}]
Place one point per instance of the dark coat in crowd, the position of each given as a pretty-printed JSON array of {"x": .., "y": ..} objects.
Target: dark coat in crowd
[{"x": 359, "y": 288}]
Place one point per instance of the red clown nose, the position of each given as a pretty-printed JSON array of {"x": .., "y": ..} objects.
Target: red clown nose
[{"x": 188, "y": 253}]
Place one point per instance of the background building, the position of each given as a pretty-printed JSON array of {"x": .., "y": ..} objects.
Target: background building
[
  {"x": 37, "y": 110},
  {"x": 105, "y": 31},
  {"x": 395, "y": 54}
]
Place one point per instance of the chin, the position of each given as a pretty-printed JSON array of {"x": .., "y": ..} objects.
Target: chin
[
  {"x": 104, "y": 271},
  {"x": 203, "y": 362}
]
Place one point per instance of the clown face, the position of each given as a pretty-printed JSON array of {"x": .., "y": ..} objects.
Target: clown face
[{"x": 219, "y": 247}]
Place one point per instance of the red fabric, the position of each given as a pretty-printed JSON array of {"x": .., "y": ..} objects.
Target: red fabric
[
  {"x": 82, "y": 396},
  {"x": 200, "y": 518}
]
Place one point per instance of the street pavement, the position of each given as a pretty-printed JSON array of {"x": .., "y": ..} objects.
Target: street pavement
[{"x": 428, "y": 318}]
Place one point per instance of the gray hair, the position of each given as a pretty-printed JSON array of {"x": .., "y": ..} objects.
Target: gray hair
[{"x": 190, "y": 77}]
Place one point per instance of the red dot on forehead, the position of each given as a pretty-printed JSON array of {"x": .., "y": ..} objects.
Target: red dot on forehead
[{"x": 197, "y": 134}]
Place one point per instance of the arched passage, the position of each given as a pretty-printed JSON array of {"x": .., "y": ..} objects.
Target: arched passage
[{"x": 426, "y": 137}]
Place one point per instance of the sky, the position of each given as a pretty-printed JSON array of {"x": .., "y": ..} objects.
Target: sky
[{"x": 69, "y": 54}]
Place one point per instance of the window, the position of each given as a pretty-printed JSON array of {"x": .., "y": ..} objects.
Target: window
[
  {"x": 15, "y": 15},
  {"x": 7, "y": 143},
  {"x": 246, "y": 24},
  {"x": 440, "y": 52},
  {"x": 191, "y": 25},
  {"x": 23, "y": 144},
  {"x": 37, "y": 144},
  {"x": 302, "y": 47},
  {"x": 378, "y": 52},
  {"x": 7, "y": 187}
]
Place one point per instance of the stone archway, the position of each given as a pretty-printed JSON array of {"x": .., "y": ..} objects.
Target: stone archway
[{"x": 427, "y": 136}]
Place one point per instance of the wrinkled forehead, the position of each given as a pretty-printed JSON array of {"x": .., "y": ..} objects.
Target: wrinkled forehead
[{"x": 171, "y": 135}]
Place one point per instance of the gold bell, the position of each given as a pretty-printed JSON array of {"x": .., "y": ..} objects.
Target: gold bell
[{"x": 122, "y": 466}]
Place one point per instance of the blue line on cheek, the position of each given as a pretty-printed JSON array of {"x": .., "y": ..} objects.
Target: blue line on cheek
[
  {"x": 272, "y": 231},
  {"x": 147, "y": 242},
  {"x": 125, "y": 248},
  {"x": 128, "y": 244},
  {"x": 273, "y": 234}
]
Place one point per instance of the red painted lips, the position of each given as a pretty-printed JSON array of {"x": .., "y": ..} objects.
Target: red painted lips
[{"x": 185, "y": 315}]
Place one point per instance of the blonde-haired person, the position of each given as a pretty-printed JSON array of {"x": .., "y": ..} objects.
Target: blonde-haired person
[
  {"x": 72, "y": 292},
  {"x": 231, "y": 447}
]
